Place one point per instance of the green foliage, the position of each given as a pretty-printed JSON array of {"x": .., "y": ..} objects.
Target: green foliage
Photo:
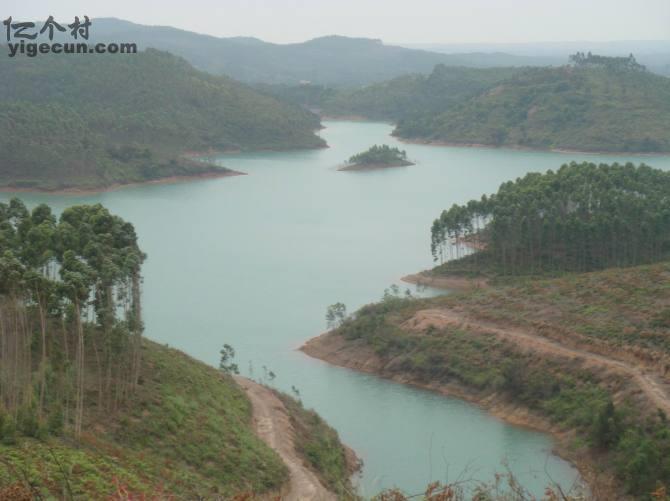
[
  {"x": 380, "y": 155},
  {"x": 641, "y": 456},
  {"x": 186, "y": 432},
  {"x": 630, "y": 441},
  {"x": 336, "y": 314},
  {"x": 95, "y": 121},
  {"x": 199, "y": 420},
  {"x": 582, "y": 217},
  {"x": 8, "y": 432},
  {"x": 27, "y": 423},
  {"x": 227, "y": 362},
  {"x": 70, "y": 311},
  {"x": 606, "y": 106},
  {"x": 308, "y": 95},
  {"x": 413, "y": 95},
  {"x": 615, "y": 63},
  {"x": 55, "y": 274},
  {"x": 607, "y": 426},
  {"x": 55, "y": 420},
  {"x": 320, "y": 446}
]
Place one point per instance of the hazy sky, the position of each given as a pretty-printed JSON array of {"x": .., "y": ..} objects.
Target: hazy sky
[{"x": 399, "y": 21}]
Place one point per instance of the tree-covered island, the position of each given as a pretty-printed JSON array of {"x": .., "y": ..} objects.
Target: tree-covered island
[{"x": 377, "y": 157}]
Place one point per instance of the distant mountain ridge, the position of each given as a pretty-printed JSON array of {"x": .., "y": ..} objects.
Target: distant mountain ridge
[
  {"x": 330, "y": 60},
  {"x": 654, "y": 54}
]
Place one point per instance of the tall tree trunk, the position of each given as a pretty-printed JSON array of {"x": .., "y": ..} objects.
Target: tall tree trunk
[
  {"x": 43, "y": 361},
  {"x": 137, "y": 334},
  {"x": 79, "y": 405}
]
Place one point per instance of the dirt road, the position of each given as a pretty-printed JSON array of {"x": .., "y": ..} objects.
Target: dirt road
[
  {"x": 652, "y": 385},
  {"x": 273, "y": 426}
]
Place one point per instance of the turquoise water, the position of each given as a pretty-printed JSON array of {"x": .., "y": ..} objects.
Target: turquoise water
[{"x": 255, "y": 260}]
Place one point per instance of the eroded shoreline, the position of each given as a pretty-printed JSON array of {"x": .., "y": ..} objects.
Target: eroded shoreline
[
  {"x": 455, "y": 283},
  {"x": 333, "y": 349}
]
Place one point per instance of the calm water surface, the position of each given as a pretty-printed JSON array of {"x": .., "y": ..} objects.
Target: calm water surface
[{"x": 255, "y": 260}]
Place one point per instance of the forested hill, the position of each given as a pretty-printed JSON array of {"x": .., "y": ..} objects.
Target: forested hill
[
  {"x": 330, "y": 60},
  {"x": 588, "y": 107},
  {"x": 411, "y": 95},
  {"x": 94, "y": 121},
  {"x": 582, "y": 217}
]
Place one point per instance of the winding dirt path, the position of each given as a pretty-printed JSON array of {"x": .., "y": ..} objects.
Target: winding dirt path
[
  {"x": 273, "y": 425},
  {"x": 651, "y": 385}
]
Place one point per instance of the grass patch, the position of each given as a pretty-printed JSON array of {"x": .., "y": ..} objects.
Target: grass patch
[
  {"x": 320, "y": 447},
  {"x": 186, "y": 431}
]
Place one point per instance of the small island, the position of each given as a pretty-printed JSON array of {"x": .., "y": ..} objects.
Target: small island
[{"x": 377, "y": 157}]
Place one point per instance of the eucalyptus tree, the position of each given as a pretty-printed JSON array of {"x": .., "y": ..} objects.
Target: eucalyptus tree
[
  {"x": 582, "y": 217},
  {"x": 38, "y": 255},
  {"x": 80, "y": 276}
]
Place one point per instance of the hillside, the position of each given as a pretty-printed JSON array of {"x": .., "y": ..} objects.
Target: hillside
[
  {"x": 584, "y": 357},
  {"x": 187, "y": 433},
  {"x": 536, "y": 335},
  {"x": 409, "y": 95},
  {"x": 330, "y": 60},
  {"x": 588, "y": 107},
  {"x": 79, "y": 121},
  {"x": 582, "y": 217},
  {"x": 167, "y": 438},
  {"x": 91, "y": 410}
]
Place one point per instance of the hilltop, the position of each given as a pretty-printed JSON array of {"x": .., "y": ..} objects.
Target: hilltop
[
  {"x": 406, "y": 95},
  {"x": 330, "y": 60},
  {"x": 341, "y": 61},
  {"x": 91, "y": 122},
  {"x": 593, "y": 106}
]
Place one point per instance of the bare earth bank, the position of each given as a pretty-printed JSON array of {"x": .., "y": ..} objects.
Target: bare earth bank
[
  {"x": 454, "y": 282},
  {"x": 272, "y": 424},
  {"x": 334, "y": 349}
]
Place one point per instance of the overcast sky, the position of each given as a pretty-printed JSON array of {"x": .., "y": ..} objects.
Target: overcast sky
[{"x": 398, "y": 21}]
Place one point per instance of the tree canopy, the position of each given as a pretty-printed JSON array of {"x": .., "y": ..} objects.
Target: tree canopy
[
  {"x": 581, "y": 217},
  {"x": 597, "y": 104},
  {"x": 620, "y": 63},
  {"x": 406, "y": 96},
  {"x": 94, "y": 120},
  {"x": 65, "y": 283},
  {"x": 380, "y": 155}
]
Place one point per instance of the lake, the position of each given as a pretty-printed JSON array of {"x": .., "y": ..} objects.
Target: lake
[{"x": 255, "y": 260}]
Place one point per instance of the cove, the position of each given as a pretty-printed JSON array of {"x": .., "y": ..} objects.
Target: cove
[{"x": 254, "y": 261}]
